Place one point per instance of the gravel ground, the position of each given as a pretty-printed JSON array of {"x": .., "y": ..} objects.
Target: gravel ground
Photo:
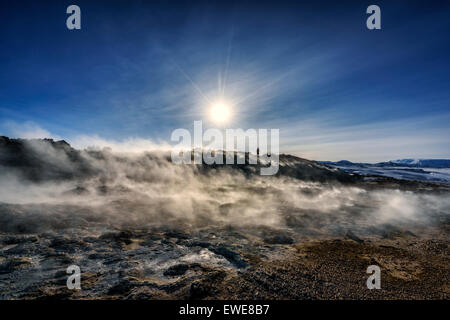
[{"x": 225, "y": 263}]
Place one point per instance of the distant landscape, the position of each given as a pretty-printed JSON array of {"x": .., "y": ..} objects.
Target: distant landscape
[{"x": 410, "y": 169}]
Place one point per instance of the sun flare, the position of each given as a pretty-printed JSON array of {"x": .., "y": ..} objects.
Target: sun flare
[{"x": 220, "y": 112}]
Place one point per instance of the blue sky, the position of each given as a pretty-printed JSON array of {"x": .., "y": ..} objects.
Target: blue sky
[{"x": 137, "y": 70}]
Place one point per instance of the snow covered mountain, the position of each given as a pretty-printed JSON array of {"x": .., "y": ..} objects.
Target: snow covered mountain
[
  {"x": 423, "y": 163},
  {"x": 413, "y": 163},
  {"x": 437, "y": 170}
]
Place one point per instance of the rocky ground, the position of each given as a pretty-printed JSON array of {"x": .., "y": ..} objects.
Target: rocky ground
[{"x": 224, "y": 264}]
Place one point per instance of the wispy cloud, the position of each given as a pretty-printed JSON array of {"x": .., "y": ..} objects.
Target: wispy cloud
[
  {"x": 127, "y": 145},
  {"x": 421, "y": 137},
  {"x": 26, "y": 130}
]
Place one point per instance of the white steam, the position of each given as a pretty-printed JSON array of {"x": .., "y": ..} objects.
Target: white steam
[{"x": 143, "y": 190}]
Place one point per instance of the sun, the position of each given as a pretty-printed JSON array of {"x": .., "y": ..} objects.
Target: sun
[{"x": 220, "y": 112}]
